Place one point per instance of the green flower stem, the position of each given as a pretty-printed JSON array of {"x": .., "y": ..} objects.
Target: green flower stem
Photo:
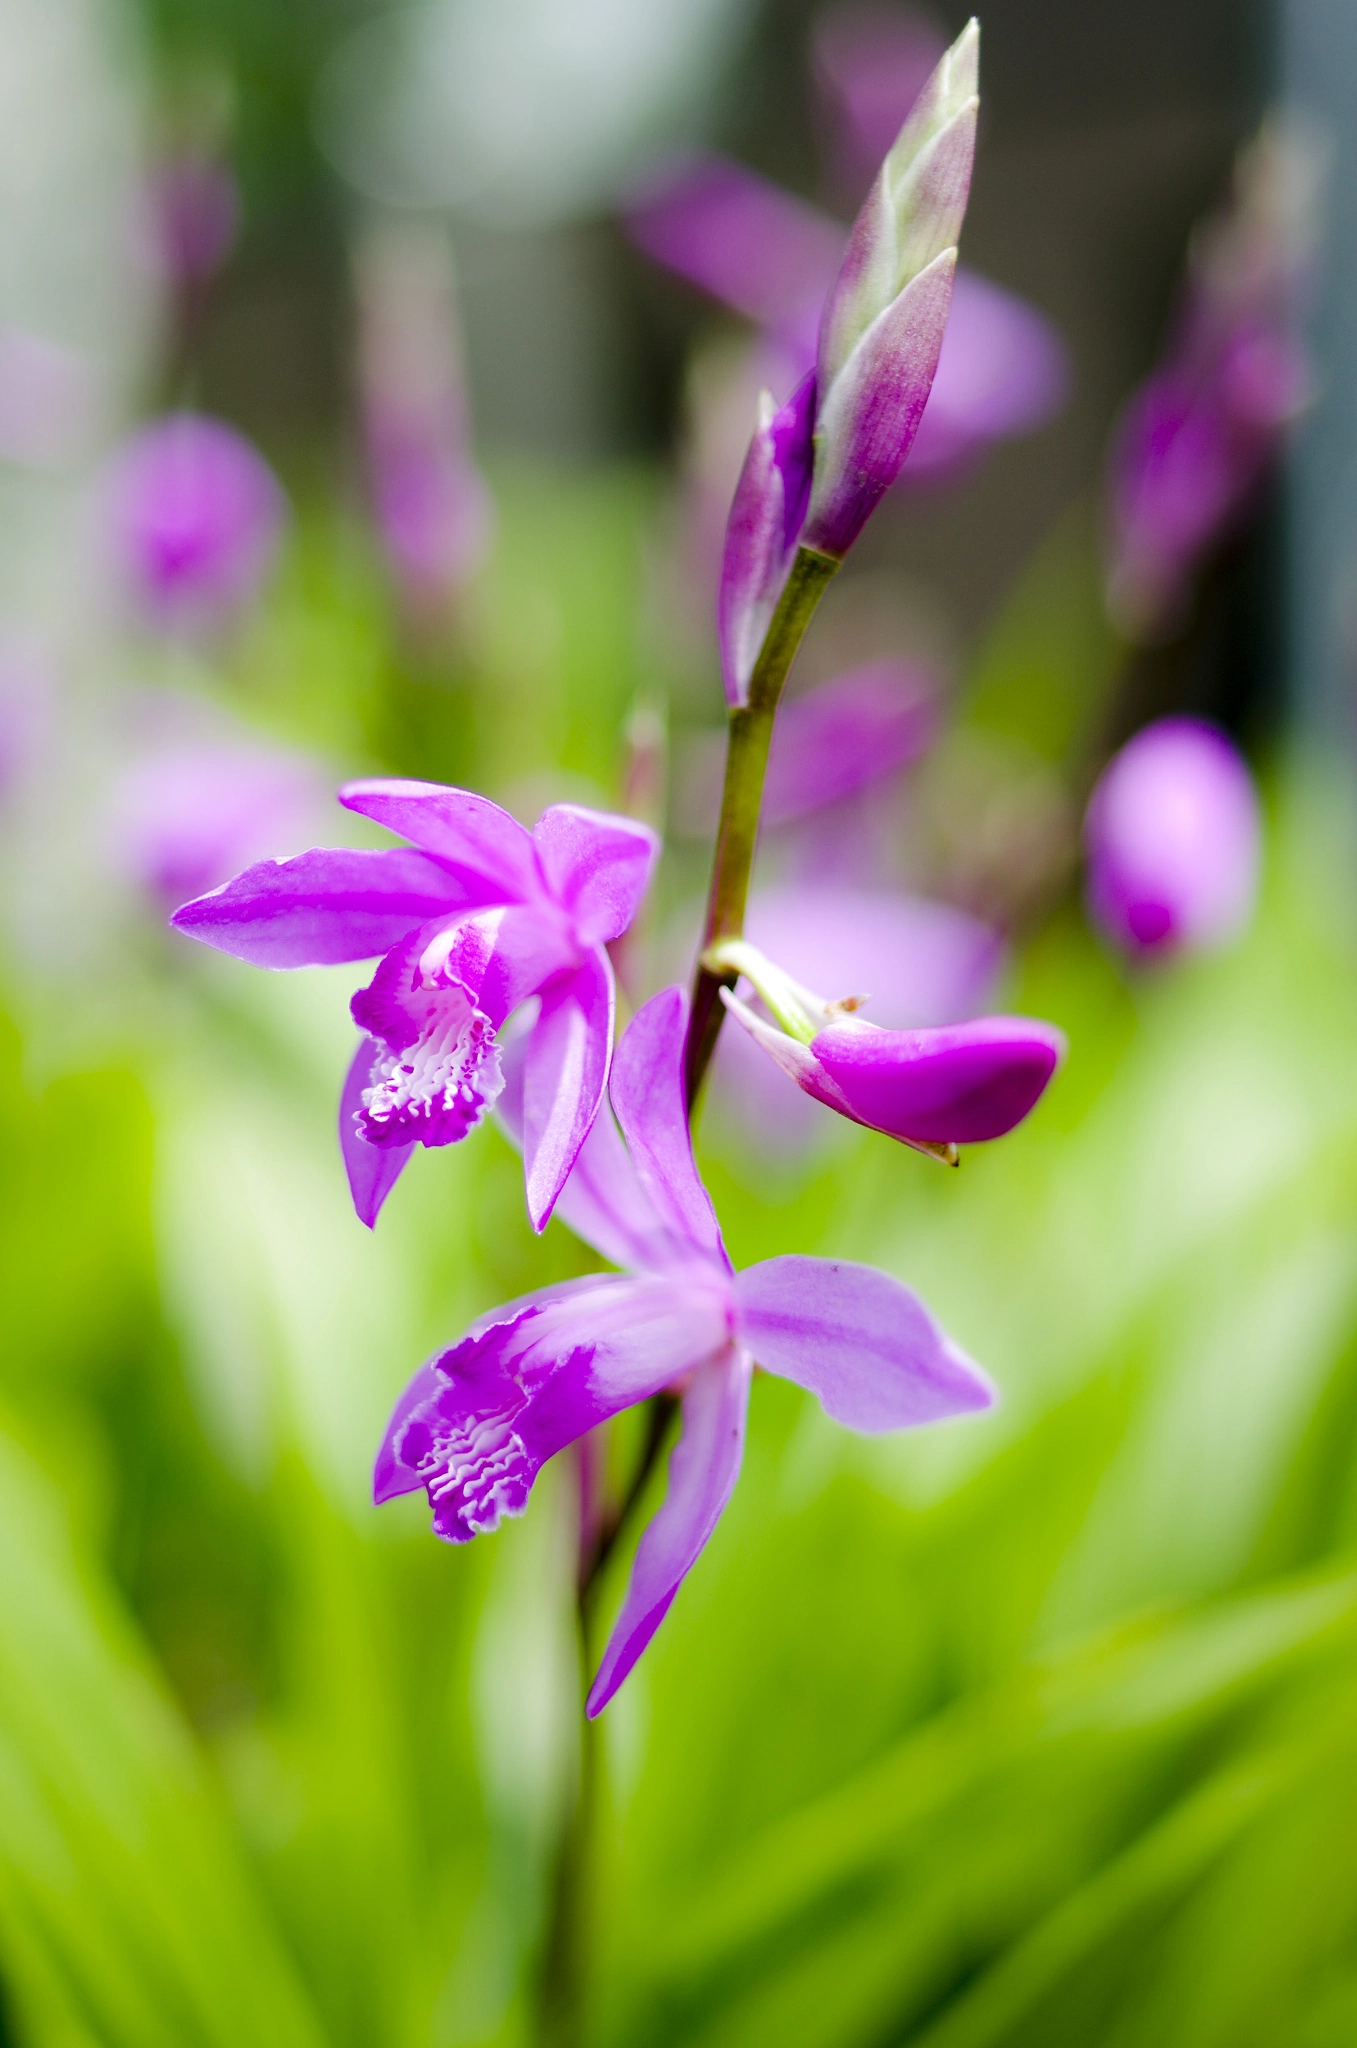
[{"x": 751, "y": 730}]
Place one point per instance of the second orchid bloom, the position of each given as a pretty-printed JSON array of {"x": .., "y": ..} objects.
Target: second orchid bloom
[{"x": 471, "y": 919}]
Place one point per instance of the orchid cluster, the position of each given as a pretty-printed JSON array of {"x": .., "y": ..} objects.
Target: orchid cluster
[{"x": 494, "y": 991}]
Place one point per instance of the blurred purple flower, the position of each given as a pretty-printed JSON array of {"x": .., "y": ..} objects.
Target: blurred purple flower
[
  {"x": 194, "y": 517},
  {"x": 432, "y": 507},
  {"x": 471, "y": 919},
  {"x": 856, "y": 729},
  {"x": 935, "y": 1089},
  {"x": 193, "y": 215},
  {"x": 476, "y": 1425},
  {"x": 870, "y": 63},
  {"x": 189, "y": 814},
  {"x": 1173, "y": 837},
  {"x": 1197, "y": 440}
]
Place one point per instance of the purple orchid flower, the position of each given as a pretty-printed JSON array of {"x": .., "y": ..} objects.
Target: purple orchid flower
[
  {"x": 959, "y": 1084},
  {"x": 432, "y": 506},
  {"x": 476, "y": 1425},
  {"x": 195, "y": 516},
  {"x": 472, "y": 918},
  {"x": 1197, "y": 440},
  {"x": 856, "y": 729},
  {"x": 767, "y": 514},
  {"x": 1173, "y": 835}
]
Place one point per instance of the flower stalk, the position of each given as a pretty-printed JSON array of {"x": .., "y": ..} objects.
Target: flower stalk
[{"x": 749, "y": 736}]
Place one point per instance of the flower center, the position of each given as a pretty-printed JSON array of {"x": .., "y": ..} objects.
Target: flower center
[
  {"x": 475, "y": 1475},
  {"x": 439, "y": 1088}
]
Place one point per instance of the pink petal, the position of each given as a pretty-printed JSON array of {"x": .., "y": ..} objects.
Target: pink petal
[
  {"x": 597, "y": 867},
  {"x": 565, "y": 1074},
  {"x": 490, "y": 852},
  {"x": 324, "y": 906},
  {"x": 647, "y": 1093},
  {"x": 862, "y": 725},
  {"x": 373, "y": 1170},
  {"x": 703, "y": 1468},
  {"x": 960, "y": 1084},
  {"x": 858, "y": 1339}
]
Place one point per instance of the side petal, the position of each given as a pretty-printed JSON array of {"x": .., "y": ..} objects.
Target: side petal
[
  {"x": 597, "y": 866},
  {"x": 647, "y": 1093},
  {"x": 858, "y": 1339},
  {"x": 957, "y": 1085},
  {"x": 703, "y": 1468},
  {"x": 766, "y": 515},
  {"x": 565, "y": 1072},
  {"x": 477, "y": 1424},
  {"x": 373, "y": 1170},
  {"x": 602, "y": 1201},
  {"x": 321, "y": 907},
  {"x": 488, "y": 851}
]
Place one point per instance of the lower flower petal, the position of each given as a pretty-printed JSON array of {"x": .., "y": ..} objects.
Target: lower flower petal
[
  {"x": 958, "y": 1085},
  {"x": 477, "y": 1424},
  {"x": 857, "y": 1338},
  {"x": 703, "y": 1468},
  {"x": 373, "y": 1170},
  {"x": 564, "y": 1075}
]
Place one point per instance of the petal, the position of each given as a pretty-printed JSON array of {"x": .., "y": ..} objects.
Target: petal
[
  {"x": 331, "y": 904},
  {"x": 597, "y": 866},
  {"x": 477, "y": 1424},
  {"x": 373, "y": 1170},
  {"x": 602, "y": 1201},
  {"x": 490, "y": 852},
  {"x": 703, "y": 1468},
  {"x": 871, "y": 412},
  {"x": 565, "y": 1073},
  {"x": 957, "y": 1085},
  {"x": 647, "y": 1093},
  {"x": 858, "y": 1339}
]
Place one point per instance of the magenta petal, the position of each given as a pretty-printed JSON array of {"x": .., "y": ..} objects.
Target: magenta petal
[
  {"x": 373, "y": 1170},
  {"x": 703, "y": 1468},
  {"x": 957, "y": 1085},
  {"x": 565, "y": 1074},
  {"x": 490, "y": 852},
  {"x": 476, "y": 1425},
  {"x": 603, "y": 1201},
  {"x": 647, "y": 1093},
  {"x": 597, "y": 867},
  {"x": 328, "y": 905},
  {"x": 870, "y": 415},
  {"x": 858, "y": 1339}
]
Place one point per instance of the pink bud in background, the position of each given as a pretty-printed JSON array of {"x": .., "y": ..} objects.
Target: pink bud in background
[
  {"x": 431, "y": 505},
  {"x": 193, "y": 214},
  {"x": 1172, "y": 838},
  {"x": 194, "y": 519}
]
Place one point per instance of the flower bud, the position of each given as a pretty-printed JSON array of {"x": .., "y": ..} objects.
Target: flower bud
[
  {"x": 761, "y": 535},
  {"x": 1172, "y": 837},
  {"x": 934, "y": 1090},
  {"x": 883, "y": 322}
]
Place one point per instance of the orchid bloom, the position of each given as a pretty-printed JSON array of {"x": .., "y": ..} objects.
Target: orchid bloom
[
  {"x": 1172, "y": 835},
  {"x": 475, "y": 1426},
  {"x": 472, "y": 918},
  {"x": 958, "y": 1084}
]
